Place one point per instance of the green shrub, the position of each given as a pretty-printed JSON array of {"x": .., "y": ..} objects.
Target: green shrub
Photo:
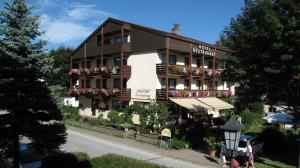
[
  {"x": 211, "y": 142},
  {"x": 98, "y": 121},
  {"x": 117, "y": 161},
  {"x": 70, "y": 113},
  {"x": 256, "y": 107},
  {"x": 275, "y": 142},
  {"x": 60, "y": 160},
  {"x": 82, "y": 156},
  {"x": 115, "y": 118},
  {"x": 178, "y": 143},
  {"x": 250, "y": 118}
]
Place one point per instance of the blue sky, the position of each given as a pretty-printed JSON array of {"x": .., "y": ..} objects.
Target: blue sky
[{"x": 69, "y": 22}]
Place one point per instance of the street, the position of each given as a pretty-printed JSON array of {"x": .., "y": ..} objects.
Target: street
[{"x": 80, "y": 142}]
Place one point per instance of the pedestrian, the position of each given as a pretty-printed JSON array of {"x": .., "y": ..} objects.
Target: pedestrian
[
  {"x": 223, "y": 152},
  {"x": 249, "y": 159}
]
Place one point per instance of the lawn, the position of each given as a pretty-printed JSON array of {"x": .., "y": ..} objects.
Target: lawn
[
  {"x": 83, "y": 160},
  {"x": 268, "y": 163}
]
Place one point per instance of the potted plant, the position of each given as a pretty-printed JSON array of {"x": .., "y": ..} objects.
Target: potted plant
[{"x": 211, "y": 143}]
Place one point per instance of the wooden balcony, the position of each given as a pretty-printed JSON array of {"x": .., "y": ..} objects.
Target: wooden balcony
[
  {"x": 115, "y": 92},
  {"x": 104, "y": 71},
  {"x": 186, "y": 70},
  {"x": 161, "y": 93}
]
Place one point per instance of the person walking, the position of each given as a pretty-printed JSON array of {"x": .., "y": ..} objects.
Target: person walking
[
  {"x": 223, "y": 154},
  {"x": 250, "y": 158}
]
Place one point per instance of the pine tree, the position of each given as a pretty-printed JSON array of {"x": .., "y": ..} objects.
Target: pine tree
[{"x": 31, "y": 111}]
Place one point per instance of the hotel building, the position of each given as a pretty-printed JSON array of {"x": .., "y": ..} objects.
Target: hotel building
[{"x": 122, "y": 63}]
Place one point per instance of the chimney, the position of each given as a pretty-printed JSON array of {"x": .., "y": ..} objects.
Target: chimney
[{"x": 175, "y": 28}]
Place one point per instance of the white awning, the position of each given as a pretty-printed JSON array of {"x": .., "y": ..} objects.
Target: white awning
[
  {"x": 215, "y": 103},
  {"x": 192, "y": 104}
]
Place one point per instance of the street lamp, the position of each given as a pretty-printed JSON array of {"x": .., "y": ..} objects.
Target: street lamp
[{"x": 232, "y": 131}]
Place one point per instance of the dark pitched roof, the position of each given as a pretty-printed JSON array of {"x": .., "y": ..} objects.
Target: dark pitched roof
[{"x": 154, "y": 31}]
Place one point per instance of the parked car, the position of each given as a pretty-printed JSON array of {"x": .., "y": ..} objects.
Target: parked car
[{"x": 254, "y": 141}]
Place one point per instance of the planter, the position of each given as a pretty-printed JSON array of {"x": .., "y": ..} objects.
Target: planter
[{"x": 212, "y": 153}]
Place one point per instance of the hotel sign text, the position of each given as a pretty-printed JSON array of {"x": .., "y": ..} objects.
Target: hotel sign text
[{"x": 203, "y": 50}]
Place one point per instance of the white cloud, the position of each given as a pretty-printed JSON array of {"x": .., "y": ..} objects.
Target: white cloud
[
  {"x": 80, "y": 11},
  {"x": 71, "y": 24},
  {"x": 60, "y": 31}
]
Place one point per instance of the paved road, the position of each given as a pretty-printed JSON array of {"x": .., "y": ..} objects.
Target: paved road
[{"x": 79, "y": 142}]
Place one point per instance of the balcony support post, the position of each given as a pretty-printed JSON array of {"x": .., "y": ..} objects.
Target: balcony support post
[
  {"x": 214, "y": 74},
  {"x": 167, "y": 66},
  {"x": 190, "y": 67},
  {"x": 70, "y": 68},
  {"x": 203, "y": 74},
  {"x": 84, "y": 74},
  {"x": 122, "y": 61},
  {"x": 101, "y": 56}
]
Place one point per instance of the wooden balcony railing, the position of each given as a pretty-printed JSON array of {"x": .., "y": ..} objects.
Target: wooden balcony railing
[
  {"x": 105, "y": 71},
  {"x": 185, "y": 70},
  {"x": 115, "y": 92},
  {"x": 161, "y": 93}
]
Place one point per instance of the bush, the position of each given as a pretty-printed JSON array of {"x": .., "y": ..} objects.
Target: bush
[
  {"x": 211, "y": 142},
  {"x": 70, "y": 113},
  {"x": 60, "y": 160},
  {"x": 82, "y": 156},
  {"x": 114, "y": 161},
  {"x": 275, "y": 142},
  {"x": 256, "y": 107},
  {"x": 98, "y": 121},
  {"x": 250, "y": 118},
  {"x": 178, "y": 144},
  {"x": 115, "y": 118}
]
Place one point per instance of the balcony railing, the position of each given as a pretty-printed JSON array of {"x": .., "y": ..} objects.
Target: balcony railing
[
  {"x": 104, "y": 70},
  {"x": 115, "y": 92},
  {"x": 161, "y": 93},
  {"x": 185, "y": 70}
]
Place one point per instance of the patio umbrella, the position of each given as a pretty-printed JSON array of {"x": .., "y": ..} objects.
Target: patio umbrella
[{"x": 282, "y": 118}]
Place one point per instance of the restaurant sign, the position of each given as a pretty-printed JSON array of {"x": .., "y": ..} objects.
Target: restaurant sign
[
  {"x": 143, "y": 93},
  {"x": 202, "y": 49}
]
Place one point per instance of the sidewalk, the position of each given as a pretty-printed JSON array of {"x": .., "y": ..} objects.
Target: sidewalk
[{"x": 196, "y": 157}]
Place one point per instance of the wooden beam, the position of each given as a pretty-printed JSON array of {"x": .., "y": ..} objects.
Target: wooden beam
[
  {"x": 203, "y": 74},
  {"x": 70, "y": 68},
  {"x": 122, "y": 61},
  {"x": 167, "y": 41},
  {"x": 190, "y": 66},
  {"x": 101, "y": 55},
  {"x": 84, "y": 59}
]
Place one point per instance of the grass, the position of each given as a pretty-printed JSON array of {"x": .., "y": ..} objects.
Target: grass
[
  {"x": 263, "y": 162},
  {"x": 83, "y": 160}
]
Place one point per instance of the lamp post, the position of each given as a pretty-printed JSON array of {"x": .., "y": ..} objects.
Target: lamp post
[{"x": 232, "y": 131}]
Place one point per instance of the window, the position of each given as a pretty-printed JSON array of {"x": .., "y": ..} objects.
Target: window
[
  {"x": 127, "y": 39},
  {"x": 88, "y": 83},
  {"x": 172, "y": 59},
  {"x": 163, "y": 83},
  {"x": 186, "y": 84},
  {"x": 98, "y": 40},
  {"x": 210, "y": 64},
  {"x": 198, "y": 63},
  {"x": 104, "y": 62},
  {"x": 95, "y": 103},
  {"x": 98, "y": 63},
  {"x": 117, "y": 61},
  {"x": 198, "y": 84},
  {"x": 75, "y": 65},
  {"x": 186, "y": 61},
  {"x": 88, "y": 64},
  {"x": 117, "y": 40},
  {"x": 106, "y": 41},
  {"x": 104, "y": 83},
  {"x": 117, "y": 83},
  {"x": 172, "y": 83},
  {"x": 125, "y": 60},
  {"x": 97, "y": 83}
]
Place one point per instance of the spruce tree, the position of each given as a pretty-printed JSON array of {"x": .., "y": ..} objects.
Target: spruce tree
[{"x": 30, "y": 109}]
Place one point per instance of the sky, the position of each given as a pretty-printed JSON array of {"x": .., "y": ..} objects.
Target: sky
[{"x": 69, "y": 22}]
